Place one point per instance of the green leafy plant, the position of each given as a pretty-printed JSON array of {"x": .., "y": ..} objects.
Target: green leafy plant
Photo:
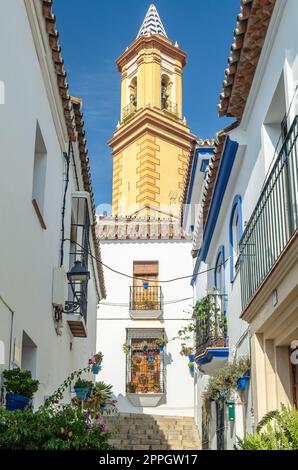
[
  {"x": 61, "y": 428},
  {"x": 131, "y": 387},
  {"x": 278, "y": 430},
  {"x": 224, "y": 381},
  {"x": 126, "y": 348},
  {"x": 161, "y": 342},
  {"x": 85, "y": 384},
  {"x": 186, "y": 350},
  {"x": 20, "y": 382}
]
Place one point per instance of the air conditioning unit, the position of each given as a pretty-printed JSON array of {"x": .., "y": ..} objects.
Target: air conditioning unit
[{"x": 59, "y": 292}]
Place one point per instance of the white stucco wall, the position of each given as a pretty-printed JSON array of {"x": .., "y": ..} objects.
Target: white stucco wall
[
  {"x": 253, "y": 159},
  {"x": 29, "y": 253},
  {"x": 174, "y": 261}
]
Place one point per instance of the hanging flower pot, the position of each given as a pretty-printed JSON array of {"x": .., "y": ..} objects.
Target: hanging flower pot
[
  {"x": 145, "y": 348},
  {"x": 95, "y": 369},
  {"x": 242, "y": 383},
  {"x": 102, "y": 407},
  {"x": 150, "y": 359},
  {"x": 161, "y": 343},
  {"x": 191, "y": 367},
  {"x": 191, "y": 358},
  {"x": 81, "y": 393}
]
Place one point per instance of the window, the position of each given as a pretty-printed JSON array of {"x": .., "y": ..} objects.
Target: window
[
  {"x": 219, "y": 277},
  {"x": 166, "y": 92},
  {"x": 133, "y": 93},
  {"x": 145, "y": 291},
  {"x": 275, "y": 123},
  {"x": 79, "y": 248},
  {"x": 39, "y": 175},
  {"x": 235, "y": 234},
  {"x": 145, "y": 362}
]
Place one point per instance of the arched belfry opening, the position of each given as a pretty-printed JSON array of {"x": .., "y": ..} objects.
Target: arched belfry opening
[
  {"x": 166, "y": 92},
  {"x": 133, "y": 93}
]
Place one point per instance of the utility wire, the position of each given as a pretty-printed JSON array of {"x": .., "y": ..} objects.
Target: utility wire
[
  {"x": 122, "y": 304},
  {"x": 145, "y": 279}
]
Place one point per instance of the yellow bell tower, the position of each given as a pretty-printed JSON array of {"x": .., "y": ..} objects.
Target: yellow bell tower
[{"x": 152, "y": 143}]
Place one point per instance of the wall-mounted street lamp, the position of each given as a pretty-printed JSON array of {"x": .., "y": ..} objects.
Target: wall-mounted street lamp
[
  {"x": 78, "y": 273},
  {"x": 78, "y": 278}
]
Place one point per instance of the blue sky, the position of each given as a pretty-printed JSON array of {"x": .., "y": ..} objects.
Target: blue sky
[{"x": 93, "y": 33}]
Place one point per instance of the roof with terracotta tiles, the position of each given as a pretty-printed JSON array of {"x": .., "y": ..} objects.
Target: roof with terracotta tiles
[
  {"x": 74, "y": 122},
  {"x": 249, "y": 36}
]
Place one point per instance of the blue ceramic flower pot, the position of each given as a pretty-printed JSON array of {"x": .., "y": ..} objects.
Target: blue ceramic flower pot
[
  {"x": 102, "y": 407},
  {"x": 95, "y": 369},
  {"x": 191, "y": 358},
  {"x": 191, "y": 369},
  {"x": 242, "y": 382},
  {"x": 161, "y": 347},
  {"x": 81, "y": 393},
  {"x": 16, "y": 402}
]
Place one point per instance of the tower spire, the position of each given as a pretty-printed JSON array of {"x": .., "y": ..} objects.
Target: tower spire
[{"x": 152, "y": 23}]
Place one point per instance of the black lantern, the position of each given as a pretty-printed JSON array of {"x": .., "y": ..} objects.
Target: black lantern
[{"x": 78, "y": 273}]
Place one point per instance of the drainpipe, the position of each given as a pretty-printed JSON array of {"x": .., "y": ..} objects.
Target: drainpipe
[{"x": 11, "y": 329}]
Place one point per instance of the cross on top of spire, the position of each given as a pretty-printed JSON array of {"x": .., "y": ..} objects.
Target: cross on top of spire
[{"x": 152, "y": 23}]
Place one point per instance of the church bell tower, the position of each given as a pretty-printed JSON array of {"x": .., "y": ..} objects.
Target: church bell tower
[{"x": 152, "y": 142}]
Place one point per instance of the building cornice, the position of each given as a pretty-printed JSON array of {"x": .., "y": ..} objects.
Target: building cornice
[
  {"x": 149, "y": 119},
  {"x": 154, "y": 41}
]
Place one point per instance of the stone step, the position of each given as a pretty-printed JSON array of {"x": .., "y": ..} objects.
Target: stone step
[{"x": 146, "y": 432}]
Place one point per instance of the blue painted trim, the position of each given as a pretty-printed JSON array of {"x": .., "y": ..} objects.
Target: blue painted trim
[
  {"x": 221, "y": 254},
  {"x": 199, "y": 152},
  {"x": 237, "y": 205},
  {"x": 213, "y": 353},
  {"x": 196, "y": 270},
  {"x": 224, "y": 171}
]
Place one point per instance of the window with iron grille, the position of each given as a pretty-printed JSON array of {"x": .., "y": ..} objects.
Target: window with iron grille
[
  {"x": 145, "y": 362},
  {"x": 79, "y": 248}
]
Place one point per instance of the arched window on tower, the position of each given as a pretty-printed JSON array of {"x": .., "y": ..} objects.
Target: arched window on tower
[
  {"x": 133, "y": 93},
  {"x": 166, "y": 92}
]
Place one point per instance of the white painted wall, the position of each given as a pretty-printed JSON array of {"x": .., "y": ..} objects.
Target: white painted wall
[
  {"x": 254, "y": 156},
  {"x": 29, "y": 253},
  {"x": 174, "y": 261}
]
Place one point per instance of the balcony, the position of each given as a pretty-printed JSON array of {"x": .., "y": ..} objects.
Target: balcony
[
  {"x": 211, "y": 334},
  {"x": 129, "y": 110},
  {"x": 169, "y": 107},
  {"x": 273, "y": 222},
  {"x": 145, "y": 302}
]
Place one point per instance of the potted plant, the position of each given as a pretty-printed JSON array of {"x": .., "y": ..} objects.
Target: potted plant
[
  {"x": 156, "y": 388},
  {"x": 150, "y": 359},
  {"x": 126, "y": 348},
  {"x": 186, "y": 351},
  {"x": 95, "y": 362},
  {"x": 132, "y": 387},
  {"x": 83, "y": 388},
  {"x": 20, "y": 388},
  {"x": 242, "y": 382},
  {"x": 161, "y": 343}
]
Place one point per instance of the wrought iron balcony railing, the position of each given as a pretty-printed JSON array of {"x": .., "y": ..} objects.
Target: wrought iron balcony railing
[
  {"x": 145, "y": 299},
  {"x": 169, "y": 106},
  {"x": 128, "y": 110},
  {"x": 274, "y": 219},
  {"x": 211, "y": 325}
]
